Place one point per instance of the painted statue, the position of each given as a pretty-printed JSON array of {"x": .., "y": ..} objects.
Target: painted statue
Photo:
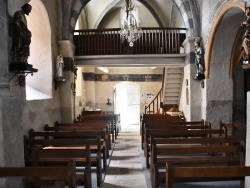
[
  {"x": 59, "y": 66},
  {"x": 246, "y": 36},
  {"x": 199, "y": 61},
  {"x": 21, "y": 39}
]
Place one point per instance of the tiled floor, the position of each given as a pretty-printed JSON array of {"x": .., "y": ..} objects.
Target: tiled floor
[{"x": 125, "y": 168}]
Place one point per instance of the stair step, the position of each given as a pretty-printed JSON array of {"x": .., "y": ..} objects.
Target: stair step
[
  {"x": 176, "y": 76},
  {"x": 171, "y": 102},
  {"x": 172, "y": 98},
  {"x": 178, "y": 81},
  {"x": 171, "y": 94},
  {"x": 174, "y": 70},
  {"x": 172, "y": 85},
  {"x": 170, "y": 90}
]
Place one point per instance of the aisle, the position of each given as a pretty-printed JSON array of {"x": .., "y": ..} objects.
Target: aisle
[{"x": 125, "y": 168}]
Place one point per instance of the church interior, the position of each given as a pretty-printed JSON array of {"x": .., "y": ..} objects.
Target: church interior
[{"x": 125, "y": 74}]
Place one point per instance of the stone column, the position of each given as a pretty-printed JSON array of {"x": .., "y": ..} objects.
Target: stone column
[
  {"x": 67, "y": 98},
  {"x": 90, "y": 88},
  {"x": 11, "y": 132},
  {"x": 247, "y": 181},
  {"x": 192, "y": 108}
]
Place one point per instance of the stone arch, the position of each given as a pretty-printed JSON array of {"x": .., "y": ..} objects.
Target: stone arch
[
  {"x": 216, "y": 20},
  {"x": 189, "y": 13},
  {"x": 186, "y": 7},
  {"x": 151, "y": 10},
  {"x": 69, "y": 23},
  {"x": 39, "y": 86},
  {"x": 221, "y": 92}
]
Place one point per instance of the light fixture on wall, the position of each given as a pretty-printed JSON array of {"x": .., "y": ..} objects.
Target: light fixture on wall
[{"x": 130, "y": 30}]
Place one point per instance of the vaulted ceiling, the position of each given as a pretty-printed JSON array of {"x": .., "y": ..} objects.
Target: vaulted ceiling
[{"x": 152, "y": 13}]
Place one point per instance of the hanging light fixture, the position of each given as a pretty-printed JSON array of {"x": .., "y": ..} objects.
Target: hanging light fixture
[{"x": 130, "y": 30}]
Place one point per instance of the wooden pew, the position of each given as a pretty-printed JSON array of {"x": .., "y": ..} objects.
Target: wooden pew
[
  {"x": 59, "y": 152},
  {"x": 192, "y": 174},
  {"x": 111, "y": 117},
  {"x": 193, "y": 151},
  {"x": 93, "y": 124},
  {"x": 71, "y": 139},
  {"x": 118, "y": 119},
  {"x": 180, "y": 131},
  {"x": 156, "y": 118},
  {"x": 83, "y": 134},
  {"x": 199, "y": 125},
  {"x": 234, "y": 129},
  {"x": 106, "y": 142},
  {"x": 55, "y": 176}
]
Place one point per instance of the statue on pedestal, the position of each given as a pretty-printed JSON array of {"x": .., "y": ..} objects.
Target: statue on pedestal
[
  {"x": 21, "y": 38},
  {"x": 59, "y": 66},
  {"x": 199, "y": 61},
  {"x": 246, "y": 37}
]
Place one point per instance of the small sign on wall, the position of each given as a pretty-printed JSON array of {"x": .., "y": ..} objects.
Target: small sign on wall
[{"x": 150, "y": 95}]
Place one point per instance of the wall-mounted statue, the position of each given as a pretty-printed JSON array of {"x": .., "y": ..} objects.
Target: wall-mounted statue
[
  {"x": 246, "y": 36},
  {"x": 199, "y": 61},
  {"x": 59, "y": 66},
  {"x": 21, "y": 38}
]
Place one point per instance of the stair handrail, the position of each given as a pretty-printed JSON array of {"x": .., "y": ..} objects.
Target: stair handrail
[{"x": 158, "y": 99}]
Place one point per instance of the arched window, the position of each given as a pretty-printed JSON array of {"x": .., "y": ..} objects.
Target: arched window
[{"x": 39, "y": 86}]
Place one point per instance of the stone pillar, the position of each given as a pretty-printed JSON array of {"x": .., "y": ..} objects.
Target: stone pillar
[
  {"x": 67, "y": 98},
  {"x": 192, "y": 108},
  {"x": 90, "y": 89},
  {"x": 247, "y": 181},
  {"x": 11, "y": 132}
]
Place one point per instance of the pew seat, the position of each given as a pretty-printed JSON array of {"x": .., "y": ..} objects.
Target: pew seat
[{"x": 51, "y": 176}]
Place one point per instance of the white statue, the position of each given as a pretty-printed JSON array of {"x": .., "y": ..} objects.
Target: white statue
[
  {"x": 59, "y": 66},
  {"x": 199, "y": 61}
]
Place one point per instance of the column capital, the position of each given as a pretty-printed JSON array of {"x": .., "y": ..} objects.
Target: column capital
[{"x": 67, "y": 48}]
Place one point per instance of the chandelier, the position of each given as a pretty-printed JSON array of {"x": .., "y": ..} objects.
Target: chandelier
[{"x": 130, "y": 30}]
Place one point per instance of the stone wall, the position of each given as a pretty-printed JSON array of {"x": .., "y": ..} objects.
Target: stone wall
[{"x": 98, "y": 91}]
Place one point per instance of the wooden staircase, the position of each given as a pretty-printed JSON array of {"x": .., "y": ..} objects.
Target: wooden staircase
[
  {"x": 172, "y": 85},
  {"x": 170, "y": 92}
]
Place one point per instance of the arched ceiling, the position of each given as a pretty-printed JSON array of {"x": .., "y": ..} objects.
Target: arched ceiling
[{"x": 152, "y": 13}]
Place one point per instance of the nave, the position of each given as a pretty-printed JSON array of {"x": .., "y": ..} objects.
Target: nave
[{"x": 127, "y": 167}]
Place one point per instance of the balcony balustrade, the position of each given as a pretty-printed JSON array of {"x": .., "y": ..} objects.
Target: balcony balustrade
[{"x": 108, "y": 42}]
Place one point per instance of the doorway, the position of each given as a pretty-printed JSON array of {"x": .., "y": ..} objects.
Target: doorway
[{"x": 127, "y": 104}]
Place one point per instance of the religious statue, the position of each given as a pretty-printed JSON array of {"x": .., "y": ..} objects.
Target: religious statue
[
  {"x": 199, "y": 61},
  {"x": 246, "y": 37},
  {"x": 21, "y": 38},
  {"x": 59, "y": 66}
]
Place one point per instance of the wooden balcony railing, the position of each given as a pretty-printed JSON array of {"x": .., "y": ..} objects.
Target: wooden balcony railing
[{"x": 108, "y": 42}]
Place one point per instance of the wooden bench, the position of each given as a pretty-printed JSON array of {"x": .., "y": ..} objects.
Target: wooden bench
[
  {"x": 193, "y": 151},
  {"x": 179, "y": 132},
  {"x": 91, "y": 124},
  {"x": 111, "y": 117},
  {"x": 69, "y": 127},
  {"x": 83, "y": 134},
  {"x": 59, "y": 152},
  {"x": 156, "y": 118},
  {"x": 199, "y": 125},
  {"x": 55, "y": 176},
  {"x": 234, "y": 129},
  {"x": 73, "y": 140},
  {"x": 191, "y": 174}
]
